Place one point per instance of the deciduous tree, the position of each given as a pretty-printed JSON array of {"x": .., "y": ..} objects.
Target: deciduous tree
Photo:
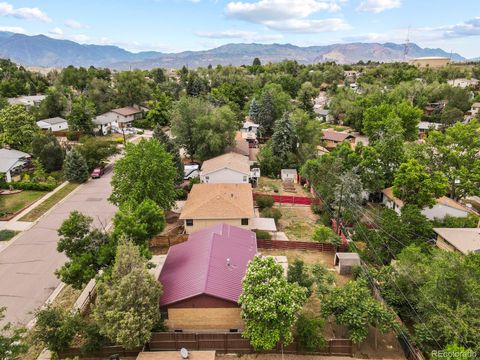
[{"x": 17, "y": 127}]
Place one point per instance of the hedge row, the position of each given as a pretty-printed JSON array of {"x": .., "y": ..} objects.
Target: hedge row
[{"x": 28, "y": 185}]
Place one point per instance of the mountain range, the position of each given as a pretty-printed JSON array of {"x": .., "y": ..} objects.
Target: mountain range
[{"x": 43, "y": 51}]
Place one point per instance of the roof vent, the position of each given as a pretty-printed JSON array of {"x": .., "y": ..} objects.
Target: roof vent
[
  {"x": 184, "y": 353},
  {"x": 228, "y": 262}
]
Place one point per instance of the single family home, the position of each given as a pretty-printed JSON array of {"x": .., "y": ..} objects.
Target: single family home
[
  {"x": 104, "y": 122},
  {"x": 464, "y": 240},
  {"x": 202, "y": 279},
  {"x": 12, "y": 162},
  {"x": 28, "y": 101},
  {"x": 53, "y": 124},
  {"x": 444, "y": 206},
  {"x": 333, "y": 138},
  {"x": 123, "y": 117},
  {"x": 218, "y": 203},
  {"x": 226, "y": 168},
  {"x": 424, "y": 127}
]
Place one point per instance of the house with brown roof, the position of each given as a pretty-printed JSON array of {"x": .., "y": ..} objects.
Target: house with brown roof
[
  {"x": 463, "y": 240},
  {"x": 202, "y": 279},
  {"x": 332, "y": 138},
  {"x": 219, "y": 203},
  {"x": 227, "y": 168},
  {"x": 123, "y": 117},
  {"x": 444, "y": 206}
]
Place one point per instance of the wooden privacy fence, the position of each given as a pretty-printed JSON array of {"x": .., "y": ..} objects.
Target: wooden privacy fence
[
  {"x": 298, "y": 245},
  {"x": 234, "y": 343},
  {"x": 167, "y": 240},
  {"x": 289, "y": 199}
]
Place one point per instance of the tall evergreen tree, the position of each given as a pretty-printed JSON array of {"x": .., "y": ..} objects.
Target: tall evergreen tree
[
  {"x": 266, "y": 114},
  {"x": 254, "y": 111},
  {"x": 284, "y": 139},
  {"x": 75, "y": 167}
]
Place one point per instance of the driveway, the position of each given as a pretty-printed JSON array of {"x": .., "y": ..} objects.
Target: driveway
[{"x": 27, "y": 266}]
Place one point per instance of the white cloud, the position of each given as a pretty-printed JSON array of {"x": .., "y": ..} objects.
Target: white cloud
[
  {"x": 275, "y": 10},
  {"x": 465, "y": 29},
  {"x": 378, "y": 6},
  {"x": 368, "y": 37},
  {"x": 248, "y": 36},
  {"x": 288, "y": 15},
  {"x": 56, "y": 31},
  {"x": 74, "y": 24},
  {"x": 13, "y": 29},
  {"x": 7, "y": 9}
]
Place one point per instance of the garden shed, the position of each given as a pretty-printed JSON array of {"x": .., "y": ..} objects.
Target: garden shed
[
  {"x": 344, "y": 262},
  {"x": 289, "y": 175}
]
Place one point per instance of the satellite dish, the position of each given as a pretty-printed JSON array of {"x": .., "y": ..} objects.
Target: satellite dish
[{"x": 184, "y": 353}]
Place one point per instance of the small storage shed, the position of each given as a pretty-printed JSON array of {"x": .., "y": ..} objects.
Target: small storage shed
[
  {"x": 289, "y": 175},
  {"x": 344, "y": 262}
]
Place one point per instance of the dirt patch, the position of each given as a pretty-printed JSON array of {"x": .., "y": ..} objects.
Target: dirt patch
[
  {"x": 298, "y": 222},
  {"x": 275, "y": 187}
]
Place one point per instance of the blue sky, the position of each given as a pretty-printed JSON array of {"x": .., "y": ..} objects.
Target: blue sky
[{"x": 177, "y": 25}]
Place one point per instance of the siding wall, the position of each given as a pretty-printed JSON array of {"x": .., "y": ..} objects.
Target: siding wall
[
  {"x": 442, "y": 244},
  {"x": 197, "y": 319},
  {"x": 223, "y": 176},
  {"x": 201, "y": 224}
]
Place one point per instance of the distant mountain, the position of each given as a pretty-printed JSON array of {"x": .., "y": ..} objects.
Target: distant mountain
[{"x": 41, "y": 50}]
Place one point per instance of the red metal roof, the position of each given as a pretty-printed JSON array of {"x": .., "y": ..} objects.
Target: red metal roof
[{"x": 213, "y": 261}]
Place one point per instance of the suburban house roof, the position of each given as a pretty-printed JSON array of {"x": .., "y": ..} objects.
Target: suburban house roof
[
  {"x": 336, "y": 136},
  {"x": 425, "y": 125},
  {"x": 229, "y": 160},
  {"x": 103, "y": 119},
  {"x": 10, "y": 158},
  {"x": 465, "y": 240},
  {"x": 53, "y": 121},
  {"x": 249, "y": 123},
  {"x": 213, "y": 261},
  {"x": 219, "y": 201},
  {"x": 127, "y": 111},
  {"x": 25, "y": 99},
  {"x": 444, "y": 200}
]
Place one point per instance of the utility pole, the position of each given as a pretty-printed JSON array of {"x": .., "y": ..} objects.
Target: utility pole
[{"x": 339, "y": 209}]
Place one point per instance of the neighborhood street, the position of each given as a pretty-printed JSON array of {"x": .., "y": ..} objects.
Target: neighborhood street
[{"x": 28, "y": 265}]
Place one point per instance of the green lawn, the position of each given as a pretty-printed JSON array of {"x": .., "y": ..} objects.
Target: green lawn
[
  {"x": 6, "y": 235},
  {"x": 41, "y": 209},
  {"x": 15, "y": 202}
]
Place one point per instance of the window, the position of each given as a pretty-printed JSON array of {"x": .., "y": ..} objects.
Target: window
[
  {"x": 244, "y": 221},
  {"x": 189, "y": 222},
  {"x": 233, "y": 330},
  {"x": 164, "y": 314},
  {"x": 245, "y": 178}
]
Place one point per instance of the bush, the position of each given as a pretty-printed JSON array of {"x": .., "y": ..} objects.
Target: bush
[
  {"x": 272, "y": 213},
  {"x": 309, "y": 332},
  {"x": 298, "y": 273},
  {"x": 73, "y": 136},
  {"x": 28, "y": 185},
  {"x": 264, "y": 201},
  {"x": 324, "y": 234},
  {"x": 6, "y": 234},
  {"x": 263, "y": 235}
]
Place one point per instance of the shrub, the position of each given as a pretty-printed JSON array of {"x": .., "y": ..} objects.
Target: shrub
[
  {"x": 324, "y": 234},
  {"x": 272, "y": 213},
  {"x": 28, "y": 185},
  {"x": 263, "y": 235},
  {"x": 298, "y": 273},
  {"x": 309, "y": 332},
  {"x": 264, "y": 201},
  {"x": 6, "y": 234},
  {"x": 73, "y": 136}
]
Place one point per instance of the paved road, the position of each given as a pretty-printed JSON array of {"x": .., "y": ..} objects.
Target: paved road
[{"x": 27, "y": 266}]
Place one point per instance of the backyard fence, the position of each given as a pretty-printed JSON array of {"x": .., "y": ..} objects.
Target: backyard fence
[
  {"x": 234, "y": 343},
  {"x": 298, "y": 245},
  {"x": 289, "y": 199},
  {"x": 161, "y": 241}
]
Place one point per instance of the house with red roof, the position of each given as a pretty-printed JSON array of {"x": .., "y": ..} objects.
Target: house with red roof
[{"x": 202, "y": 279}]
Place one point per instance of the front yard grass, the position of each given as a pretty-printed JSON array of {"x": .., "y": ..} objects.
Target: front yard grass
[
  {"x": 41, "y": 209},
  {"x": 6, "y": 235},
  {"x": 13, "y": 203}
]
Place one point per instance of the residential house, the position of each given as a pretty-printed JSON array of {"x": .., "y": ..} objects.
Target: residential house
[
  {"x": 123, "y": 117},
  {"x": 333, "y": 138},
  {"x": 227, "y": 168},
  {"x": 53, "y": 124},
  {"x": 463, "y": 83},
  {"x": 444, "y": 206},
  {"x": 212, "y": 204},
  {"x": 430, "y": 62},
  {"x": 28, "y": 101},
  {"x": 322, "y": 114},
  {"x": 424, "y": 127},
  {"x": 13, "y": 162},
  {"x": 202, "y": 279},
  {"x": 464, "y": 240},
  {"x": 475, "y": 110},
  {"x": 103, "y": 123},
  {"x": 249, "y": 131}
]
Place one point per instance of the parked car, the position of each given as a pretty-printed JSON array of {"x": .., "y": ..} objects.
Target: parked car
[{"x": 98, "y": 172}]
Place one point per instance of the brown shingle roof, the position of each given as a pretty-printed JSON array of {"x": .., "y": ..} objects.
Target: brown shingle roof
[
  {"x": 465, "y": 240},
  {"x": 126, "y": 111},
  {"x": 336, "y": 136},
  {"x": 219, "y": 201},
  {"x": 230, "y": 160}
]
